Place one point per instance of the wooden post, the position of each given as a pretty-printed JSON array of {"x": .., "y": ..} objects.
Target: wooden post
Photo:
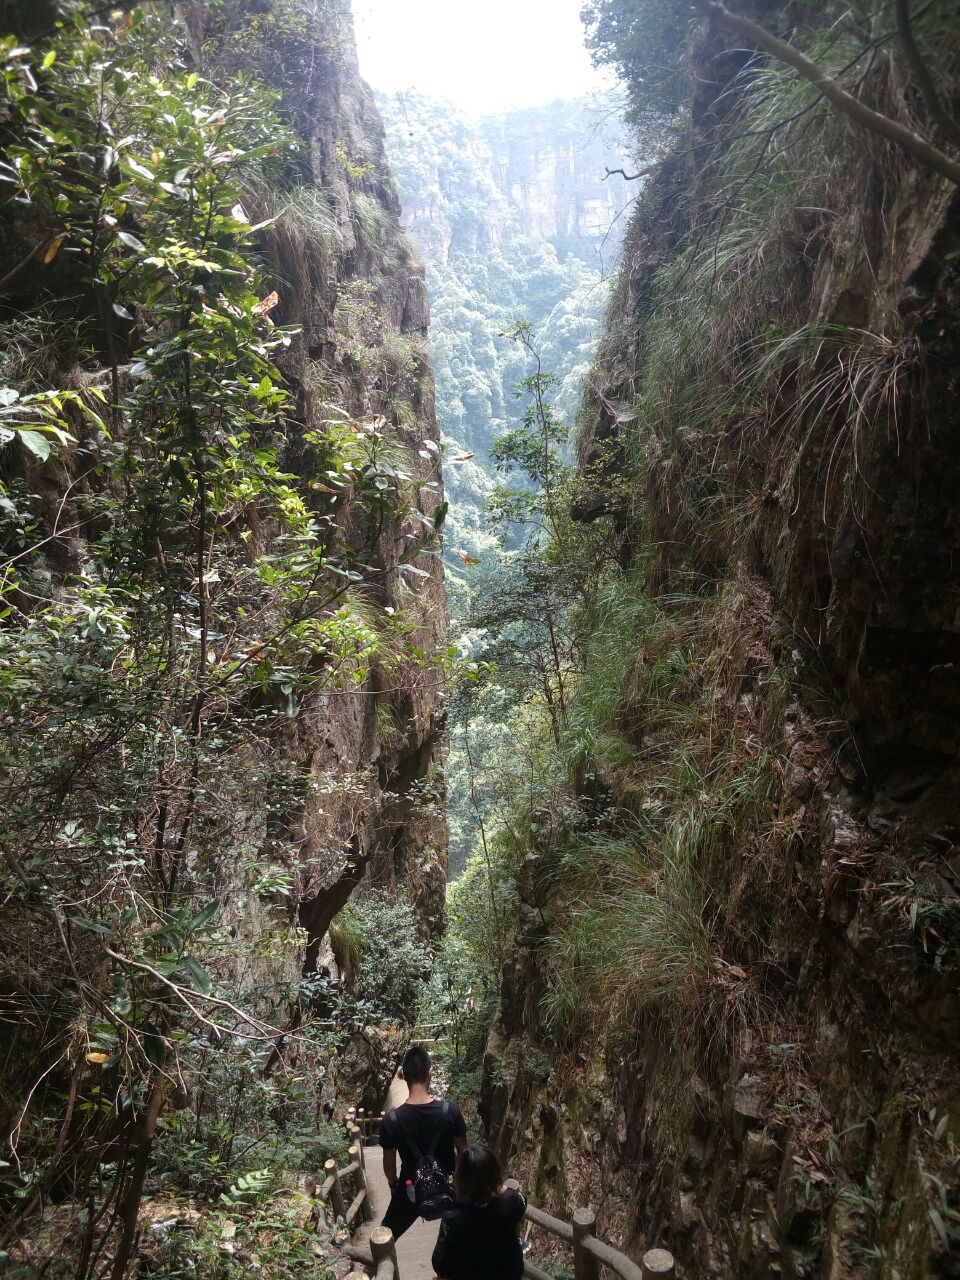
[
  {"x": 657, "y": 1262},
  {"x": 585, "y": 1266},
  {"x": 383, "y": 1247},
  {"x": 336, "y": 1190},
  {"x": 355, "y": 1138},
  {"x": 366, "y": 1208}
]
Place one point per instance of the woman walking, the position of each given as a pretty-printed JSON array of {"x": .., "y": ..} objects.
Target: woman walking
[{"x": 478, "y": 1239}]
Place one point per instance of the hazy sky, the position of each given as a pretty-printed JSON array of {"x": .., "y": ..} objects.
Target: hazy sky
[{"x": 483, "y": 55}]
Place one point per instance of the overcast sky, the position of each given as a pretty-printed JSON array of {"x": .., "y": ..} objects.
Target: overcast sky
[{"x": 483, "y": 55}]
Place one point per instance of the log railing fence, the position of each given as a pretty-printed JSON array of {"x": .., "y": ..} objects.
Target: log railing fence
[
  {"x": 348, "y": 1180},
  {"x": 589, "y": 1252}
]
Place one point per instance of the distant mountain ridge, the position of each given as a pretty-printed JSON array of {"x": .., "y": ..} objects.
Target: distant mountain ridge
[
  {"x": 517, "y": 220},
  {"x": 468, "y": 185}
]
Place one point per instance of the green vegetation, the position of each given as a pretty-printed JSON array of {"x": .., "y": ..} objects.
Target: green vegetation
[
  {"x": 190, "y": 540},
  {"x": 375, "y": 942},
  {"x": 665, "y": 687},
  {"x": 646, "y": 43},
  {"x": 493, "y": 262}
]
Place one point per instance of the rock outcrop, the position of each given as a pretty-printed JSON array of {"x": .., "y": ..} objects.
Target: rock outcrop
[{"x": 809, "y": 503}]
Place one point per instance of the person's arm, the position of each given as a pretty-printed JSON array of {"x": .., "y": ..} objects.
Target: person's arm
[
  {"x": 459, "y": 1142},
  {"x": 388, "y": 1141}
]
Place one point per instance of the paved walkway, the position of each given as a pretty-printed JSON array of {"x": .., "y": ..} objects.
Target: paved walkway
[{"x": 415, "y": 1246}]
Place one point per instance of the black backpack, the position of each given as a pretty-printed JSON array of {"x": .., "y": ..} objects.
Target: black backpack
[{"x": 429, "y": 1190}]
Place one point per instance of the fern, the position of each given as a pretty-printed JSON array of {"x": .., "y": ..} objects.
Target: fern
[{"x": 248, "y": 1189}]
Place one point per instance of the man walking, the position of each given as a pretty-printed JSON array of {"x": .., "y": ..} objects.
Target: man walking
[{"x": 424, "y": 1126}]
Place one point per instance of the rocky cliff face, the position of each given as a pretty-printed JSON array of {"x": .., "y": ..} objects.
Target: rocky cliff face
[
  {"x": 361, "y": 299},
  {"x": 786, "y": 405},
  {"x": 469, "y": 185}
]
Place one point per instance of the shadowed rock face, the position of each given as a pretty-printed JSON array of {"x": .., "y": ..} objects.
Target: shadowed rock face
[
  {"x": 378, "y": 752},
  {"x": 812, "y": 1147}
]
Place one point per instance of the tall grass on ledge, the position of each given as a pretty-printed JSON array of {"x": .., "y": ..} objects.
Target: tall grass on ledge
[{"x": 638, "y": 933}]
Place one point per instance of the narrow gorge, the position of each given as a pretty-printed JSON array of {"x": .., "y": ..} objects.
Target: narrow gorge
[{"x": 483, "y": 573}]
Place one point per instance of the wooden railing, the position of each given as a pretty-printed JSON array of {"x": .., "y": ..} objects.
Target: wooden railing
[
  {"x": 368, "y": 1125},
  {"x": 381, "y": 1262},
  {"x": 350, "y": 1180},
  {"x": 589, "y": 1253}
]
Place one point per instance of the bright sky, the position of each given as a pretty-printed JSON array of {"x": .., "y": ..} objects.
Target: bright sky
[{"x": 482, "y": 55}]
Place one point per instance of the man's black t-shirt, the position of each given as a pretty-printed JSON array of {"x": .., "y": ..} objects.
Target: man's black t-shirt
[
  {"x": 419, "y": 1121},
  {"x": 481, "y": 1244}
]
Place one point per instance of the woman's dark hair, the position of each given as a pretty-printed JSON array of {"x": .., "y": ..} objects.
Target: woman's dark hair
[{"x": 478, "y": 1176}]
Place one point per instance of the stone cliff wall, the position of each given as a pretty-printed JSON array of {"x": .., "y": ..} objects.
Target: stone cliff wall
[
  {"x": 361, "y": 298},
  {"x": 815, "y": 508},
  {"x": 539, "y": 172}
]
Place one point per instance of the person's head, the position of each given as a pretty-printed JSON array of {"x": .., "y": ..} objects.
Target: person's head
[
  {"x": 477, "y": 1177},
  {"x": 416, "y": 1066}
]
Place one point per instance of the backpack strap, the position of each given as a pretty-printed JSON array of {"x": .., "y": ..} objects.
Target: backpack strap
[
  {"x": 440, "y": 1130},
  {"x": 417, "y": 1153}
]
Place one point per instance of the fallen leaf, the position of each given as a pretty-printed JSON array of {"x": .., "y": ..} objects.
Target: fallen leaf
[
  {"x": 98, "y": 1058},
  {"x": 53, "y": 248},
  {"x": 266, "y": 305}
]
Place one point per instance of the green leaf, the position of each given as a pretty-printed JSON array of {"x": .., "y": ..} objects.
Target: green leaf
[
  {"x": 131, "y": 241},
  {"x": 204, "y": 915},
  {"x": 940, "y": 1226},
  {"x": 153, "y": 1046},
  {"x": 122, "y": 311},
  {"x": 49, "y": 60},
  {"x": 201, "y": 979},
  {"x": 140, "y": 170},
  {"x": 192, "y": 79},
  {"x": 92, "y": 926},
  {"x": 38, "y": 444}
]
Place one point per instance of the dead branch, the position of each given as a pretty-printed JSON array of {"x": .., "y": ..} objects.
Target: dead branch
[
  {"x": 921, "y": 72},
  {"x": 630, "y": 177},
  {"x": 852, "y": 107}
]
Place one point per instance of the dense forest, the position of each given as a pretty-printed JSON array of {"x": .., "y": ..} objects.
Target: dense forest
[
  {"x": 519, "y": 218},
  {"x": 222, "y": 647},
  {"x": 701, "y": 969}
]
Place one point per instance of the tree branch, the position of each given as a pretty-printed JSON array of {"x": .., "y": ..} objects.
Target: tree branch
[
  {"x": 858, "y": 111},
  {"x": 629, "y": 177},
  {"x": 921, "y": 73}
]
